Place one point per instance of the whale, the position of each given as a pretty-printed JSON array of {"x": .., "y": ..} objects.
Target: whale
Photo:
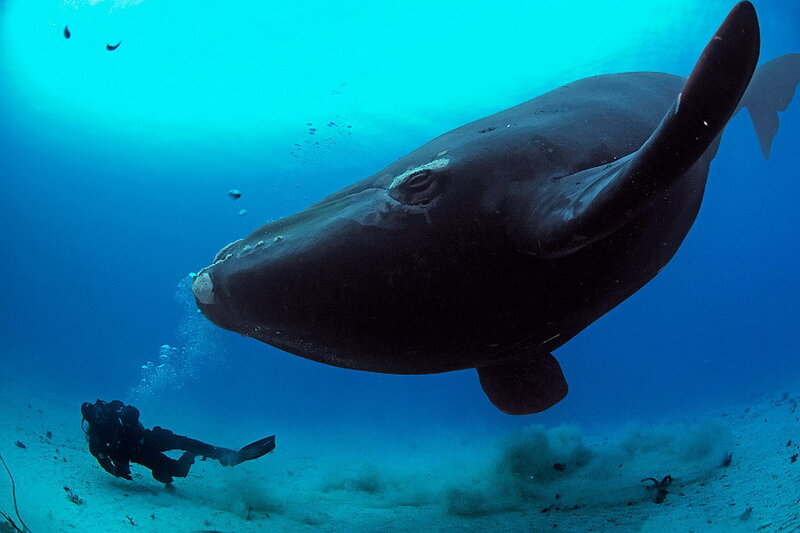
[{"x": 492, "y": 245}]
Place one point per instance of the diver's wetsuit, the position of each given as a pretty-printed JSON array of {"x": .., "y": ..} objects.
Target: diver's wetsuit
[{"x": 117, "y": 438}]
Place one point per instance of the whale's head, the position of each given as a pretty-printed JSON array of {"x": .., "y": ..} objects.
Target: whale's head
[{"x": 383, "y": 271}]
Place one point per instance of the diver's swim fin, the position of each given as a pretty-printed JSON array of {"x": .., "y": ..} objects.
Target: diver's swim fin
[{"x": 255, "y": 450}]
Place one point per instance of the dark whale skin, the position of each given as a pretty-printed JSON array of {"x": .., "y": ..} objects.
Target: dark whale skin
[{"x": 497, "y": 242}]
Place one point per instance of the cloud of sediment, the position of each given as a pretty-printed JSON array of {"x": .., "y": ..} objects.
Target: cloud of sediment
[{"x": 558, "y": 467}]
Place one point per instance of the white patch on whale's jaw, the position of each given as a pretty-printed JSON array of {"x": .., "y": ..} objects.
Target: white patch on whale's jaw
[
  {"x": 432, "y": 165},
  {"x": 224, "y": 252},
  {"x": 203, "y": 288}
]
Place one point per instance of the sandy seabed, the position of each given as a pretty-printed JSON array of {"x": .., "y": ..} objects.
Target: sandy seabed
[{"x": 542, "y": 479}]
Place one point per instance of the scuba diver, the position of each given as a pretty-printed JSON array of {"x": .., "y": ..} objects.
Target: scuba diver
[{"x": 117, "y": 438}]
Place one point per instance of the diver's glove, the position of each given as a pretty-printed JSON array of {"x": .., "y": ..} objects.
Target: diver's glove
[{"x": 122, "y": 470}]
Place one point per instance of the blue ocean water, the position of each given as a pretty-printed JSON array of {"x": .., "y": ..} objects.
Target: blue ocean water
[{"x": 116, "y": 167}]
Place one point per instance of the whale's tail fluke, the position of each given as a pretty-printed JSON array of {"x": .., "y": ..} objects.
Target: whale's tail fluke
[{"x": 770, "y": 91}]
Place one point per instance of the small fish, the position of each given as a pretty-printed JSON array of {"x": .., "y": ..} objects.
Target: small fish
[
  {"x": 235, "y": 194},
  {"x": 112, "y": 47},
  {"x": 67, "y": 33}
]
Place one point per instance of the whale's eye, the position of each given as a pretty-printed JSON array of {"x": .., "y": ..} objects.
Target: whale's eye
[
  {"x": 419, "y": 181},
  {"x": 419, "y": 188}
]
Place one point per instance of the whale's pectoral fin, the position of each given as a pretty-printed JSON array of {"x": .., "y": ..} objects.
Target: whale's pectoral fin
[
  {"x": 771, "y": 91},
  {"x": 524, "y": 386},
  {"x": 600, "y": 200}
]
